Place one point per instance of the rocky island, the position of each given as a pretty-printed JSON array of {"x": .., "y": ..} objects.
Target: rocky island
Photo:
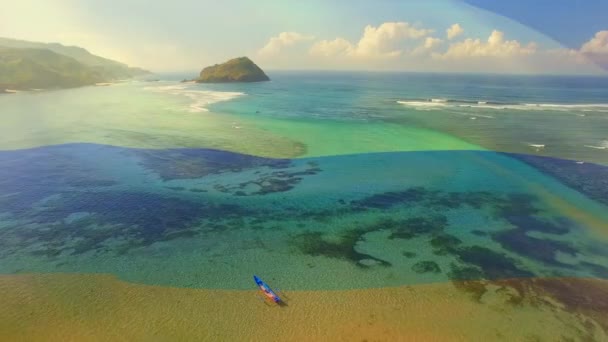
[{"x": 240, "y": 69}]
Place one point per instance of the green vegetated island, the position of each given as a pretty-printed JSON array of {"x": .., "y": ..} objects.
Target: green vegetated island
[
  {"x": 240, "y": 69},
  {"x": 30, "y": 65}
]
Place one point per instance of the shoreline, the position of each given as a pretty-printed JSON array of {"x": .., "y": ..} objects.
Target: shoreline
[{"x": 38, "y": 90}]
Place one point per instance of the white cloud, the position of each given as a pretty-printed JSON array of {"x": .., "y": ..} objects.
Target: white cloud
[
  {"x": 284, "y": 39},
  {"x": 329, "y": 48},
  {"x": 592, "y": 52},
  {"x": 430, "y": 43},
  {"x": 495, "y": 46},
  {"x": 402, "y": 46},
  {"x": 454, "y": 31},
  {"x": 597, "y": 44},
  {"x": 385, "y": 40},
  {"x": 596, "y": 49}
]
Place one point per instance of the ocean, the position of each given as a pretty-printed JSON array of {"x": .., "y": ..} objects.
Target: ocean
[{"x": 315, "y": 181}]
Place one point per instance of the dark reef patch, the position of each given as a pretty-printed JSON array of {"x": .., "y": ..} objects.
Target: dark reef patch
[
  {"x": 493, "y": 265},
  {"x": 140, "y": 219},
  {"x": 531, "y": 223},
  {"x": 515, "y": 205},
  {"x": 390, "y": 199},
  {"x": 430, "y": 198},
  {"x": 196, "y": 163},
  {"x": 416, "y": 226},
  {"x": 315, "y": 244},
  {"x": 588, "y": 178},
  {"x": 426, "y": 267},
  {"x": 458, "y": 272},
  {"x": 519, "y": 211},
  {"x": 519, "y": 242},
  {"x": 269, "y": 182},
  {"x": 445, "y": 244},
  {"x": 408, "y": 254}
]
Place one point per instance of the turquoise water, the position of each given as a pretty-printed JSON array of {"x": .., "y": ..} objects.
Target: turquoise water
[
  {"x": 507, "y": 180},
  {"x": 568, "y": 115}
]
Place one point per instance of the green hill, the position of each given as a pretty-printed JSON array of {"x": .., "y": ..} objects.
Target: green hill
[
  {"x": 25, "y": 69},
  {"x": 235, "y": 70},
  {"x": 106, "y": 68}
]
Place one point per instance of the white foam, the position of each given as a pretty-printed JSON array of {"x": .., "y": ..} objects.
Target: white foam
[
  {"x": 597, "y": 147},
  {"x": 537, "y": 147},
  {"x": 485, "y": 106},
  {"x": 201, "y": 99},
  {"x": 583, "y": 107},
  {"x": 434, "y": 103},
  {"x": 422, "y": 104},
  {"x": 603, "y": 145}
]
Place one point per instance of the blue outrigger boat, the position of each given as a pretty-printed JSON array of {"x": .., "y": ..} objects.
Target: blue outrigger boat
[{"x": 268, "y": 292}]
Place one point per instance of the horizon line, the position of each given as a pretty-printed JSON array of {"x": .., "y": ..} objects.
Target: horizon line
[{"x": 371, "y": 71}]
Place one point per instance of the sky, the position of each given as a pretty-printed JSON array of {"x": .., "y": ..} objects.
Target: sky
[
  {"x": 569, "y": 22},
  {"x": 541, "y": 36}
]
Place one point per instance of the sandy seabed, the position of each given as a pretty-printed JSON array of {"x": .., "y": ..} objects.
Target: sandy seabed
[{"x": 84, "y": 307}]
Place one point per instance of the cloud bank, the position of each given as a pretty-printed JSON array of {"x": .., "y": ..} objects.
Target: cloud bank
[
  {"x": 376, "y": 42},
  {"x": 495, "y": 46},
  {"x": 281, "y": 41},
  {"x": 404, "y": 46}
]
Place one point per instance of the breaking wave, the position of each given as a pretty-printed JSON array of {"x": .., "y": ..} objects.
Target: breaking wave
[
  {"x": 423, "y": 104},
  {"x": 201, "y": 99},
  {"x": 603, "y": 145}
]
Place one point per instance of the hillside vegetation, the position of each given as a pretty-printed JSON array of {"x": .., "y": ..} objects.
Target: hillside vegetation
[
  {"x": 24, "y": 69},
  {"x": 235, "y": 70},
  {"x": 30, "y": 65}
]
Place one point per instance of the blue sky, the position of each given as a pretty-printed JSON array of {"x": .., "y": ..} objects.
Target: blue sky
[
  {"x": 510, "y": 36},
  {"x": 570, "y": 22}
]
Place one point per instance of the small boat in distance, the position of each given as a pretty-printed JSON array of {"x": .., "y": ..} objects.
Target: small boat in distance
[{"x": 268, "y": 292}]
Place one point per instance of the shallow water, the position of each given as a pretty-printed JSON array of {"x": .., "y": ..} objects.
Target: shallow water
[
  {"x": 148, "y": 216},
  {"x": 314, "y": 182}
]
